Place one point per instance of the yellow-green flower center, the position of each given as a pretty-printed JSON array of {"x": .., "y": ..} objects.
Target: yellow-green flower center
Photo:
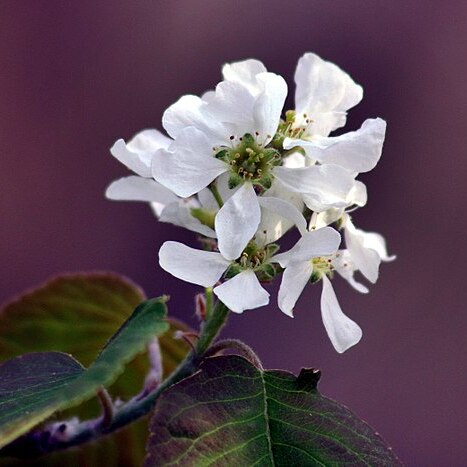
[
  {"x": 321, "y": 265},
  {"x": 250, "y": 162}
]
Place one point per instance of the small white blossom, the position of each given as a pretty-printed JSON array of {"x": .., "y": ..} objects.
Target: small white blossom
[
  {"x": 239, "y": 293},
  {"x": 230, "y": 131},
  {"x": 137, "y": 156},
  {"x": 311, "y": 258},
  {"x": 367, "y": 249}
]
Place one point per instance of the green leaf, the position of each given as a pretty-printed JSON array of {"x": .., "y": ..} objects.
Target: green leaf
[
  {"x": 73, "y": 313},
  {"x": 76, "y": 313},
  {"x": 34, "y": 386},
  {"x": 232, "y": 413}
]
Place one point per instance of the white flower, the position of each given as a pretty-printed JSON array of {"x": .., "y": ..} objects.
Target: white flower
[
  {"x": 323, "y": 95},
  {"x": 241, "y": 292},
  {"x": 197, "y": 213},
  {"x": 311, "y": 258},
  {"x": 366, "y": 249},
  {"x": 230, "y": 131},
  {"x": 137, "y": 156},
  {"x": 343, "y": 264}
]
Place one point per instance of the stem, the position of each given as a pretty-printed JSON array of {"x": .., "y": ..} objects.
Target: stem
[
  {"x": 214, "y": 323},
  {"x": 208, "y": 294},
  {"x": 35, "y": 443},
  {"x": 107, "y": 407},
  {"x": 216, "y": 194}
]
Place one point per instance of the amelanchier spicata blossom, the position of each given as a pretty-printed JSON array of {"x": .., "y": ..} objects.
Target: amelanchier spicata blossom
[{"x": 240, "y": 170}]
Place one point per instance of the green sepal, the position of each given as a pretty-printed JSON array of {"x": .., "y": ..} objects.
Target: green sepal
[
  {"x": 277, "y": 141},
  {"x": 315, "y": 277},
  {"x": 271, "y": 154},
  {"x": 265, "y": 182},
  {"x": 248, "y": 140},
  {"x": 232, "y": 271},
  {"x": 205, "y": 216},
  {"x": 234, "y": 180},
  {"x": 223, "y": 155},
  {"x": 290, "y": 116},
  {"x": 267, "y": 272},
  {"x": 272, "y": 249}
]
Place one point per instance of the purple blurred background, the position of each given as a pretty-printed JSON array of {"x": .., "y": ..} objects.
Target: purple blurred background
[{"x": 75, "y": 76}]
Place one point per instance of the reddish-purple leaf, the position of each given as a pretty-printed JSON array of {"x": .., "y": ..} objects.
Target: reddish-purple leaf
[{"x": 231, "y": 413}]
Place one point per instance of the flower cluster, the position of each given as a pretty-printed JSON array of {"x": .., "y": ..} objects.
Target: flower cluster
[{"x": 240, "y": 171}]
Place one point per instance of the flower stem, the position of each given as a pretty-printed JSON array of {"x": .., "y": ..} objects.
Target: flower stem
[
  {"x": 34, "y": 443},
  {"x": 208, "y": 295},
  {"x": 215, "y": 321},
  {"x": 216, "y": 194}
]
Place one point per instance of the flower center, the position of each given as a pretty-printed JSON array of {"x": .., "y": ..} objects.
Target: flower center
[
  {"x": 250, "y": 162},
  {"x": 294, "y": 126},
  {"x": 257, "y": 259},
  {"x": 321, "y": 265}
]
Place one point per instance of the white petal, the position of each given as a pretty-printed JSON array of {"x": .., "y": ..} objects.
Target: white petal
[
  {"x": 242, "y": 292},
  {"x": 358, "y": 195},
  {"x": 268, "y": 107},
  {"x": 366, "y": 260},
  {"x": 328, "y": 184},
  {"x": 233, "y": 106},
  {"x": 134, "y": 188},
  {"x": 196, "y": 266},
  {"x": 376, "y": 242},
  {"x": 319, "y": 220},
  {"x": 357, "y": 151},
  {"x": 343, "y": 332},
  {"x": 358, "y": 286},
  {"x": 244, "y": 72},
  {"x": 189, "y": 166},
  {"x": 237, "y": 221},
  {"x": 148, "y": 141},
  {"x": 321, "y": 242},
  {"x": 345, "y": 268},
  {"x": 192, "y": 111},
  {"x": 207, "y": 200},
  {"x": 294, "y": 160},
  {"x": 208, "y": 96},
  {"x": 185, "y": 112},
  {"x": 324, "y": 92},
  {"x": 139, "y": 165},
  {"x": 294, "y": 279},
  {"x": 273, "y": 226},
  {"x": 284, "y": 209},
  {"x": 179, "y": 213},
  {"x": 138, "y": 152},
  {"x": 222, "y": 183}
]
